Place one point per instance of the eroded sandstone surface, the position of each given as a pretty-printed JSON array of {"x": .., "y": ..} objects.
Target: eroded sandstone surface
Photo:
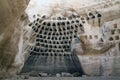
[
  {"x": 54, "y": 32},
  {"x": 12, "y": 17},
  {"x": 88, "y": 33}
]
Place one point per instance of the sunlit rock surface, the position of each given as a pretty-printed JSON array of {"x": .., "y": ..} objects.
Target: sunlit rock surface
[
  {"x": 96, "y": 55},
  {"x": 100, "y": 56},
  {"x": 99, "y": 35}
]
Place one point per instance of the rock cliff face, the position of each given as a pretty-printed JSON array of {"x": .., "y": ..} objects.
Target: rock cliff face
[
  {"x": 96, "y": 51},
  {"x": 106, "y": 63},
  {"x": 12, "y": 15},
  {"x": 14, "y": 32}
]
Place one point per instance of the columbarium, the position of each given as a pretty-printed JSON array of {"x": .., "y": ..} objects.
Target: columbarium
[{"x": 51, "y": 52}]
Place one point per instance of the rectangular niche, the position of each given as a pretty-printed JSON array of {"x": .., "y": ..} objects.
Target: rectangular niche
[
  {"x": 117, "y": 37},
  {"x": 118, "y": 31},
  {"x": 115, "y": 25},
  {"x": 113, "y": 31},
  {"x": 96, "y": 36},
  {"x": 90, "y": 36},
  {"x": 111, "y": 39},
  {"x": 85, "y": 36}
]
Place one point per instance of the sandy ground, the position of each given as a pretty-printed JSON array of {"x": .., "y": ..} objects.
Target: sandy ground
[{"x": 64, "y": 78}]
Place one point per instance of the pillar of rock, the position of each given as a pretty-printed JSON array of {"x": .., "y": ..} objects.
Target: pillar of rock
[{"x": 11, "y": 15}]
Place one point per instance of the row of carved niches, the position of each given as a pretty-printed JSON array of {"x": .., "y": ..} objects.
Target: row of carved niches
[
  {"x": 70, "y": 20},
  {"x": 94, "y": 15},
  {"x": 56, "y": 51},
  {"x": 58, "y": 26}
]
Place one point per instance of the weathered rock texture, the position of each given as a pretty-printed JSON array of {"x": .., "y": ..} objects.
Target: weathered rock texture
[
  {"x": 91, "y": 19},
  {"x": 12, "y": 14},
  {"x": 100, "y": 54},
  {"x": 12, "y": 37}
]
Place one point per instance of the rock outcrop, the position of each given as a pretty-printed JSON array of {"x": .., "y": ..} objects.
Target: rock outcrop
[
  {"x": 96, "y": 58},
  {"x": 12, "y": 16},
  {"x": 99, "y": 50},
  {"x": 15, "y": 37}
]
